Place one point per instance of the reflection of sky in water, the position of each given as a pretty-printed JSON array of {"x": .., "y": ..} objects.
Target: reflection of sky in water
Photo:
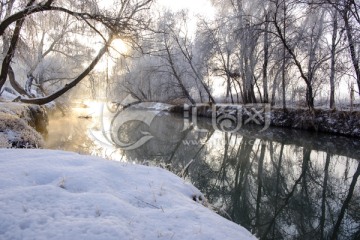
[{"x": 229, "y": 168}]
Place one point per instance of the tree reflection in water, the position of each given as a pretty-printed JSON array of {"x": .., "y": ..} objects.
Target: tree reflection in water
[{"x": 279, "y": 184}]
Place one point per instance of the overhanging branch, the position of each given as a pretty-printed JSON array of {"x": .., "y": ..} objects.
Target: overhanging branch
[{"x": 67, "y": 87}]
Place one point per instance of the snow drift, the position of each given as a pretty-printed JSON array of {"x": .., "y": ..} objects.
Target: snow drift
[{"x": 60, "y": 195}]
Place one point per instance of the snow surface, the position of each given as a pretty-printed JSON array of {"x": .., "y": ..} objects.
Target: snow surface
[
  {"x": 46, "y": 194},
  {"x": 6, "y": 96}
]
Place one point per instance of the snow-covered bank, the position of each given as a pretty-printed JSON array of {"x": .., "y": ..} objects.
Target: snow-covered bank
[
  {"x": 60, "y": 195},
  {"x": 20, "y": 125},
  {"x": 153, "y": 106},
  {"x": 345, "y": 123}
]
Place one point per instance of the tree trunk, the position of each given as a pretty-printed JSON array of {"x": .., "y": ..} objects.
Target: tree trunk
[
  {"x": 333, "y": 58},
  {"x": 5, "y": 38},
  {"x": 248, "y": 81},
  {"x": 354, "y": 58},
  {"x": 275, "y": 83},
  {"x": 11, "y": 51},
  {"x": 313, "y": 46},
  {"x": 28, "y": 84},
  {"x": 266, "y": 60},
  {"x": 283, "y": 84},
  {"x": 228, "y": 78},
  {"x": 309, "y": 96},
  {"x": 16, "y": 86},
  {"x": 284, "y": 59}
]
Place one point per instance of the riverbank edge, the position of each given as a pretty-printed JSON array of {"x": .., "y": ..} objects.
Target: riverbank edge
[
  {"x": 343, "y": 123},
  {"x": 22, "y": 125}
]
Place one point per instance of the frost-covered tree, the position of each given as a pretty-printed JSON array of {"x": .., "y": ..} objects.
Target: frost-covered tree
[
  {"x": 125, "y": 21},
  {"x": 173, "y": 68}
]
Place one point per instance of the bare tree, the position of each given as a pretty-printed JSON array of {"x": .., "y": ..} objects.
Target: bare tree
[
  {"x": 266, "y": 58},
  {"x": 349, "y": 12},
  {"x": 175, "y": 71},
  {"x": 307, "y": 76},
  {"x": 185, "y": 46}
]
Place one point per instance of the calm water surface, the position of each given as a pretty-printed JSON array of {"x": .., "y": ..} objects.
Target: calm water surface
[{"x": 279, "y": 184}]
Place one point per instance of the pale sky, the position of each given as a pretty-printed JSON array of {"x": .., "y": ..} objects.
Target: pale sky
[{"x": 202, "y": 7}]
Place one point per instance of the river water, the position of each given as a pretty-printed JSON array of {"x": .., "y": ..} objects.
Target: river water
[{"x": 277, "y": 183}]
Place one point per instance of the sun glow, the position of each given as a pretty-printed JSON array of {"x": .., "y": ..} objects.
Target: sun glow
[
  {"x": 119, "y": 47},
  {"x": 87, "y": 108}
]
